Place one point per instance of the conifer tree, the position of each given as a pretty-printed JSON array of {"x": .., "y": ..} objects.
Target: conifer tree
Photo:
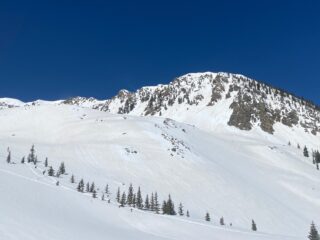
[
  {"x": 152, "y": 202},
  {"x": 134, "y": 200},
  {"x": 130, "y": 195},
  {"x": 23, "y": 160},
  {"x": 62, "y": 169},
  {"x": 181, "y": 213},
  {"x": 221, "y": 221},
  {"x": 118, "y": 195},
  {"x": 164, "y": 207},
  {"x": 9, "y": 156},
  {"x": 207, "y": 217},
  {"x": 188, "y": 214},
  {"x": 123, "y": 200},
  {"x": 46, "y": 162},
  {"x": 50, "y": 172},
  {"x": 313, "y": 234},
  {"x": 102, "y": 197},
  {"x": 88, "y": 187},
  {"x": 146, "y": 203},
  {"x": 139, "y": 200},
  {"x": 72, "y": 179},
  {"x": 156, "y": 203},
  {"x": 305, "y": 151},
  {"x": 80, "y": 187},
  {"x": 57, "y": 183},
  {"x": 170, "y": 206},
  {"x": 107, "y": 189},
  {"x": 253, "y": 226},
  {"x": 32, "y": 156},
  {"x": 94, "y": 194},
  {"x": 92, "y": 188}
]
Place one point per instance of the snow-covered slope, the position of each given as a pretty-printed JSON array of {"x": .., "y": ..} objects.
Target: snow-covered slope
[{"x": 240, "y": 175}]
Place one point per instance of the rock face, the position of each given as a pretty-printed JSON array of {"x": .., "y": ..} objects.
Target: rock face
[{"x": 251, "y": 103}]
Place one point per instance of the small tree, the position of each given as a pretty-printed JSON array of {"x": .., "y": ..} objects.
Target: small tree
[
  {"x": 146, "y": 203},
  {"x": 156, "y": 203},
  {"x": 253, "y": 226},
  {"x": 72, "y": 179},
  {"x": 94, "y": 194},
  {"x": 313, "y": 234},
  {"x": 23, "y": 160},
  {"x": 118, "y": 195},
  {"x": 80, "y": 187},
  {"x": 207, "y": 217},
  {"x": 9, "y": 156},
  {"x": 102, "y": 197},
  {"x": 92, "y": 188},
  {"x": 88, "y": 187},
  {"x": 32, "y": 155},
  {"x": 123, "y": 200},
  {"x": 188, "y": 214},
  {"x": 51, "y": 171},
  {"x": 139, "y": 199},
  {"x": 62, "y": 169},
  {"x": 57, "y": 183},
  {"x": 46, "y": 162},
  {"x": 181, "y": 213},
  {"x": 107, "y": 189},
  {"x": 305, "y": 151},
  {"x": 221, "y": 221}
]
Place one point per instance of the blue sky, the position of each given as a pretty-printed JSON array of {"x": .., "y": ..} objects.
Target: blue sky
[{"x": 57, "y": 49}]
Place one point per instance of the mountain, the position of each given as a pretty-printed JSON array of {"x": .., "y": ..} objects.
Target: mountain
[{"x": 191, "y": 150}]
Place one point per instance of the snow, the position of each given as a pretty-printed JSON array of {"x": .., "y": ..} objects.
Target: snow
[{"x": 227, "y": 172}]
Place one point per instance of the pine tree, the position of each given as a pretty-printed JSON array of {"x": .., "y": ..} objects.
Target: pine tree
[
  {"x": 170, "y": 206},
  {"x": 146, "y": 203},
  {"x": 134, "y": 200},
  {"x": 88, "y": 187},
  {"x": 130, "y": 195},
  {"x": 94, "y": 194},
  {"x": 207, "y": 217},
  {"x": 57, "y": 183},
  {"x": 156, "y": 203},
  {"x": 139, "y": 200},
  {"x": 23, "y": 160},
  {"x": 46, "y": 162},
  {"x": 181, "y": 213},
  {"x": 221, "y": 221},
  {"x": 80, "y": 187},
  {"x": 253, "y": 226},
  {"x": 107, "y": 189},
  {"x": 313, "y": 234},
  {"x": 72, "y": 179},
  {"x": 51, "y": 171},
  {"x": 118, "y": 195},
  {"x": 152, "y": 202},
  {"x": 298, "y": 146},
  {"x": 62, "y": 169},
  {"x": 92, "y": 188},
  {"x": 9, "y": 156},
  {"x": 305, "y": 151},
  {"x": 123, "y": 200},
  {"x": 102, "y": 197},
  {"x": 32, "y": 155},
  {"x": 188, "y": 214},
  {"x": 164, "y": 207}
]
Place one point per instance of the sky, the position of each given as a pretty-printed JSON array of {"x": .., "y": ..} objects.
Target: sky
[{"x": 59, "y": 49}]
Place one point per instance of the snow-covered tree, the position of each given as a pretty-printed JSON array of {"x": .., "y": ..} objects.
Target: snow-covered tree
[
  {"x": 72, "y": 180},
  {"x": 147, "y": 203},
  {"x": 253, "y": 226},
  {"x": 181, "y": 213},
  {"x": 221, "y": 221},
  {"x": 23, "y": 160},
  {"x": 92, "y": 187},
  {"x": 130, "y": 195},
  {"x": 156, "y": 203},
  {"x": 51, "y": 171},
  {"x": 118, "y": 195},
  {"x": 207, "y": 217},
  {"x": 188, "y": 214},
  {"x": 80, "y": 187},
  {"x": 62, "y": 169},
  {"x": 46, "y": 162},
  {"x": 305, "y": 151},
  {"x": 123, "y": 199},
  {"x": 32, "y": 155},
  {"x": 94, "y": 194},
  {"x": 107, "y": 189},
  {"x": 313, "y": 234},
  {"x": 88, "y": 187},
  {"x": 139, "y": 200}
]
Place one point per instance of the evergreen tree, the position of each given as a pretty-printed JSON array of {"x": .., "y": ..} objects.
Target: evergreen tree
[
  {"x": 94, "y": 194},
  {"x": 253, "y": 226},
  {"x": 221, "y": 221},
  {"x": 32, "y": 155},
  {"x": 92, "y": 188},
  {"x": 46, "y": 162},
  {"x": 57, "y": 183},
  {"x": 72, "y": 179},
  {"x": 188, "y": 214},
  {"x": 80, "y": 187},
  {"x": 298, "y": 146},
  {"x": 170, "y": 206},
  {"x": 207, "y": 217},
  {"x": 134, "y": 200},
  {"x": 152, "y": 202},
  {"x": 130, "y": 195},
  {"x": 107, "y": 189},
  {"x": 88, "y": 187},
  {"x": 50, "y": 172},
  {"x": 58, "y": 174},
  {"x": 156, "y": 203},
  {"x": 62, "y": 169},
  {"x": 123, "y": 200},
  {"x": 164, "y": 207},
  {"x": 313, "y": 234},
  {"x": 139, "y": 200},
  {"x": 102, "y": 197},
  {"x": 23, "y": 160},
  {"x": 181, "y": 213},
  {"x": 118, "y": 195},
  {"x": 305, "y": 151},
  {"x": 146, "y": 203},
  {"x": 9, "y": 156}
]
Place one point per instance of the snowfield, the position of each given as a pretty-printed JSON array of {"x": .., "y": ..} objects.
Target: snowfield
[{"x": 224, "y": 171}]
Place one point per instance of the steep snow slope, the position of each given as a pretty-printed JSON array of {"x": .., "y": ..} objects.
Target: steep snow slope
[{"x": 230, "y": 173}]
